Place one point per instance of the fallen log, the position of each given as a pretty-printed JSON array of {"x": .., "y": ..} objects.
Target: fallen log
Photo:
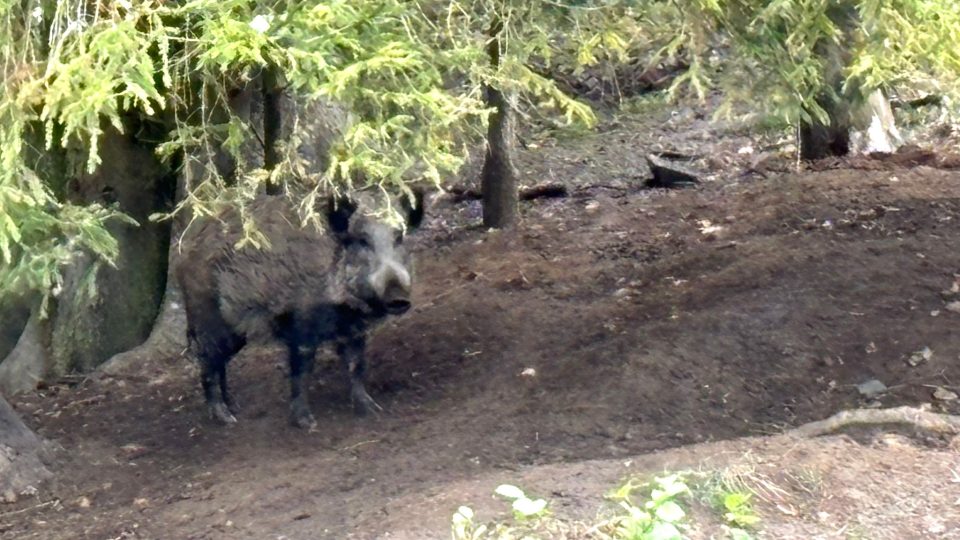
[{"x": 527, "y": 193}]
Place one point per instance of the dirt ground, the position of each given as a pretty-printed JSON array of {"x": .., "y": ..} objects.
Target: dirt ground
[{"x": 613, "y": 325}]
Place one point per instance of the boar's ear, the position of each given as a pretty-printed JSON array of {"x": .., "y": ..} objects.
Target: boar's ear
[
  {"x": 414, "y": 213},
  {"x": 339, "y": 210}
]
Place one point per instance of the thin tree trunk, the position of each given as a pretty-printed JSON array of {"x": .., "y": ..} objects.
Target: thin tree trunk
[
  {"x": 499, "y": 184},
  {"x": 272, "y": 124}
]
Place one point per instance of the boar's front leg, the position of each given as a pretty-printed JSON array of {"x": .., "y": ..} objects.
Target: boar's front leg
[
  {"x": 351, "y": 351},
  {"x": 301, "y": 363}
]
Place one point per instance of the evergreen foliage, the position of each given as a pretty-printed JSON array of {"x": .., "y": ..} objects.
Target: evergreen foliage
[{"x": 410, "y": 75}]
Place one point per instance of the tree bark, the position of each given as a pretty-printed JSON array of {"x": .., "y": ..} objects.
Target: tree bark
[
  {"x": 875, "y": 127},
  {"x": 818, "y": 141},
  {"x": 260, "y": 106},
  {"x": 86, "y": 331},
  {"x": 168, "y": 338},
  {"x": 272, "y": 124},
  {"x": 14, "y": 314},
  {"x": 22, "y": 455},
  {"x": 29, "y": 361},
  {"x": 499, "y": 184},
  {"x": 908, "y": 416},
  {"x": 859, "y": 121}
]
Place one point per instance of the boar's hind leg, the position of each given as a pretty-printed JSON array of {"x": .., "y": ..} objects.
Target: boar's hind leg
[
  {"x": 214, "y": 355},
  {"x": 213, "y": 373},
  {"x": 351, "y": 352},
  {"x": 225, "y": 393}
]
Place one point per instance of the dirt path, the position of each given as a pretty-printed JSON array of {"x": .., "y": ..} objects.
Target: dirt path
[{"x": 646, "y": 328}]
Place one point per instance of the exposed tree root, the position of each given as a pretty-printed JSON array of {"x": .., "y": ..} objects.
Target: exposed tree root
[
  {"x": 22, "y": 456},
  {"x": 29, "y": 360},
  {"x": 911, "y": 416},
  {"x": 166, "y": 340}
]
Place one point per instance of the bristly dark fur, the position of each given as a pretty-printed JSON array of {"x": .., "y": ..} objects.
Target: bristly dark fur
[{"x": 308, "y": 287}]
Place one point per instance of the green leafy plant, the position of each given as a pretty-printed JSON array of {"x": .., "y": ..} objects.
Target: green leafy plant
[
  {"x": 523, "y": 506},
  {"x": 463, "y": 527},
  {"x": 528, "y": 513},
  {"x": 738, "y": 510},
  {"x": 658, "y": 517}
]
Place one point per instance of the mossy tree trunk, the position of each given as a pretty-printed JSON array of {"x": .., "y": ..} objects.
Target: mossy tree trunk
[
  {"x": 81, "y": 331},
  {"x": 29, "y": 360},
  {"x": 137, "y": 313},
  {"x": 167, "y": 338},
  {"x": 499, "y": 185},
  {"x": 87, "y": 331},
  {"x": 14, "y": 314}
]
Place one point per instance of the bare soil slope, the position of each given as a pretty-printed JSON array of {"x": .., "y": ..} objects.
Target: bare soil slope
[{"x": 614, "y": 322}]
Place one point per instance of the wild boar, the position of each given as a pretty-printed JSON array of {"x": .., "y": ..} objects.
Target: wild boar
[{"x": 330, "y": 283}]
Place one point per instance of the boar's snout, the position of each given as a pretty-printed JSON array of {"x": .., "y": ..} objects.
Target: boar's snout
[
  {"x": 392, "y": 285},
  {"x": 397, "y": 301}
]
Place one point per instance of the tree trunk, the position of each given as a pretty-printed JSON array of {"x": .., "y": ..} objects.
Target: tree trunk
[
  {"x": 499, "y": 184},
  {"x": 257, "y": 106},
  {"x": 875, "y": 126},
  {"x": 14, "y": 314},
  {"x": 272, "y": 124},
  {"x": 29, "y": 361},
  {"x": 856, "y": 126},
  {"x": 168, "y": 338},
  {"x": 88, "y": 331},
  {"x": 22, "y": 456},
  {"x": 818, "y": 140},
  {"x": 858, "y": 122}
]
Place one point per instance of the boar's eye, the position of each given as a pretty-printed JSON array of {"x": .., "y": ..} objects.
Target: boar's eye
[
  {"x": 398, "y": 237},
  {"x": 357, "y": 241}
]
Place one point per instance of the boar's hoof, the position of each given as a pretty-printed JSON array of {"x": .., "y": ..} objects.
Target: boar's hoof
[
  {"x": 307, "y": 421},
  {"x": 233, "y": 407},
  {"x": 301, "y": 417},
  {"x": 220, "y": 413},
  {"x": 363, "y": 404}
]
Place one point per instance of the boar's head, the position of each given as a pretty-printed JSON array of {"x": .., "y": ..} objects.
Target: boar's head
[{"x": 377, "y": 266}]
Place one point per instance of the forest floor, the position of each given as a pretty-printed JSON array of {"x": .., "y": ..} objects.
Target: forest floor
[{"x": 617, "y": 331}]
